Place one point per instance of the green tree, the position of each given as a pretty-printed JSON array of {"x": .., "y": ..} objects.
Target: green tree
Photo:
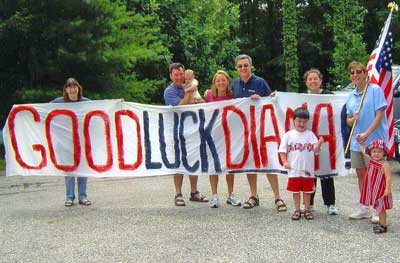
[
  {"x": 200, "y": 34},
  {"x": 261, "y": 32},
  {"x": 289, "y": 42},
  {"x": 315, "y": 39},
  {"x": 347, "y": 23},
  {"x": 112, "y": 52},
  {"x": 260, "y": 37}
]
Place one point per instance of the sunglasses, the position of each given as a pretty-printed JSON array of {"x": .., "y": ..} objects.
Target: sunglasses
[
  {"x": 243, "y": 66},
  {"x": 356, "y": 72}
]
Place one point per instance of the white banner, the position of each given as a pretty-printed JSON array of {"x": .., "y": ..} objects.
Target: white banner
[{"x": 111, "y": 138}]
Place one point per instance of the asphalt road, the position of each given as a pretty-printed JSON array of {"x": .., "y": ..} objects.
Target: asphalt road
[{"x": 135, "y": 220}]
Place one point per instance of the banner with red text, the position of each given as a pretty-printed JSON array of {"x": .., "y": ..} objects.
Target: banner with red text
[{"x": 112, "y": 138}]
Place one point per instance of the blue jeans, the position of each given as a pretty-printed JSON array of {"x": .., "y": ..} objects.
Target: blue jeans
[{"x": 70, "y": 187}]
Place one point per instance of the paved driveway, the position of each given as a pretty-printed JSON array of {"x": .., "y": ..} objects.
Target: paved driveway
[{"x": 134, "y": 220}]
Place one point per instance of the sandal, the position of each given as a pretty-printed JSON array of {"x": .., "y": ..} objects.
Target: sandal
[
  {"x": 296, "y": 215},
  {"x": 380, "y": 229},
  {"x": 85, "y": 202},
  {"x": 251, "y": 202},
  {"x": 69, "y": 203},
  {"x": 308, "y": 215},
  {"x": 280, "y": 205},
  {"x": 179, "y": 200},
  {"x": 197, "y": 197}
]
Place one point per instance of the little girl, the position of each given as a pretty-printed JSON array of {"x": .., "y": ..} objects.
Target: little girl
[{"x": 376, "y": 190}]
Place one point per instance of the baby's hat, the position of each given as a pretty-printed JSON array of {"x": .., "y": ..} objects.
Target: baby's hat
[{"x": 377, "y": 144}]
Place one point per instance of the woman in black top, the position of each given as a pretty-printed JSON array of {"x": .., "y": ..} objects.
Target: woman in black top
[{"x": 313, "y": 80}]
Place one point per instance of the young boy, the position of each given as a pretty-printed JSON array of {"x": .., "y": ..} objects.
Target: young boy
[{"x": 297, "y": 150}]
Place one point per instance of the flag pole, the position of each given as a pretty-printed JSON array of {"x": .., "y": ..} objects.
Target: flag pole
[{"x": 355, "y": 122}]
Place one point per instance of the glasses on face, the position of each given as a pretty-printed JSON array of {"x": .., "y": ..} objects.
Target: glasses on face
[
  {"x": 243, "y": 66},
  {"x": 356, "y": 72}
]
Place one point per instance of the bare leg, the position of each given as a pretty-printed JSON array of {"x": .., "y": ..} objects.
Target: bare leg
[
  {"x": 230, "y": 180},
  {"x": 273, "y": 181},
  {"x": 360, "y": 175},
  {"x": 382, "y": 218},
  {"x": 252, "y": 178},
  {"x": 178, "y": 179},
  {"x": 198, "y": 197},
  {"x": 193, "y": 183},
  {"x": 214, "y": 184},
  {"x": 306, "y": 200},
  {"x": 296, "y": 200}
]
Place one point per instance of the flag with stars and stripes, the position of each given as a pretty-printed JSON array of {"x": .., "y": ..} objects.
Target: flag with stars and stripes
[{"x": 380, "y": 73}]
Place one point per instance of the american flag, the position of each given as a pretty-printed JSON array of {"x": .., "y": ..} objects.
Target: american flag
[{"x": 380, "y": 73}]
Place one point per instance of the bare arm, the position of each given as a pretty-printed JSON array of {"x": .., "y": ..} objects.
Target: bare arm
[
  {"x": 362, "y": 145},
  {"x": 187, "y": 99},
  {"x": 284, "y": 160},
  {"x": 388, "y": 177},
  {"x": 350, "y": 120},
  {"x": 377, "y": 120},
  {"x": 317, "y": 147}
]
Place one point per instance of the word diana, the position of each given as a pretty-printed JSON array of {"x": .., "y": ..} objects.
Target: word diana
[{"x": 114, "y": 138}]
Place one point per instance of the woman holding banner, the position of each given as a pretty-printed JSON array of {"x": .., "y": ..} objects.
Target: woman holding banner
[
  {"x": 313, "y": 81},
  {"x": 73, "y": 92},
  {"x": 366, "y": 112},
  {"x": 221, "y": 90}
]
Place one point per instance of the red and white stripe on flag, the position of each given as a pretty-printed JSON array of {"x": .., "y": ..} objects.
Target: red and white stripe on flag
[{"x": 380, "y": 73}]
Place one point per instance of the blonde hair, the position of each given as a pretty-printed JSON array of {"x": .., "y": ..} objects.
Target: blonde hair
[
  {"x": 189, "y": 71},
  {"x": 214, "y": 90},
  {"x": 356, "y": 64}
]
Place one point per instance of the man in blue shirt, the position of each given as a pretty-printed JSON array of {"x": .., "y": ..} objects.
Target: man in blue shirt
[
  {"x": 250, "y": 85},
  {"x": 175, "y": 94}
]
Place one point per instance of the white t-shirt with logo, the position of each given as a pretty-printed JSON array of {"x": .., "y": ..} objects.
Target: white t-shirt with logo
[{"x": 299, "y": 147}]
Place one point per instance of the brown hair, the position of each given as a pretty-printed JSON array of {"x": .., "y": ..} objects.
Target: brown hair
[
  {"x": 312, "y": 70},
  {"x": 175, "y": 65},
  {"x": 70, "y": 82},
  {"x": 214, "y": 88},
  {"x": 301, "y": 113}
]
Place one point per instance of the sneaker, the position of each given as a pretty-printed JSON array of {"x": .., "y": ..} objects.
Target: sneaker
[
  {"x": 332, "y": 210},
  {"x": 361, "y": 213},
  {"x": 374, "y": 218},
  {"x": 303, "y": 208},
  {"x": 214, "y": 201},
  {"x": 233, "y": 200}
]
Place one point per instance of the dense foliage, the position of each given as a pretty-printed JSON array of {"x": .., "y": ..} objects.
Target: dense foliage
[{"x": 289, "y": 42}]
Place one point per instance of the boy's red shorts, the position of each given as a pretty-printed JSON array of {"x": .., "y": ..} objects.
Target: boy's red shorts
[{"x": 301, "y": 184}]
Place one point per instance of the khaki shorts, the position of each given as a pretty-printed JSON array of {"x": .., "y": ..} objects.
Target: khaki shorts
[{"x": 358, "y": 160}]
